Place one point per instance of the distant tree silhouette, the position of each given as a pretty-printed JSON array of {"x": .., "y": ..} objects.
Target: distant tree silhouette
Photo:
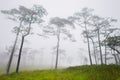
[
  {"x": 58, "y": 26},
  {"x": 82, "y": 18},
  {"x": 99, "y": 24}
]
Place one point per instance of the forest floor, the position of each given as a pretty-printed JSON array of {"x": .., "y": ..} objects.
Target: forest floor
[{"x": 95, "y": 72}]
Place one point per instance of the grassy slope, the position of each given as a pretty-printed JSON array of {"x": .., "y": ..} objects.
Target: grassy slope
[{"x": 111, "y": 72}]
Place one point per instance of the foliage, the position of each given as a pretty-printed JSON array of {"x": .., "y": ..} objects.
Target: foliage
[{"x": 113, "y": 41}]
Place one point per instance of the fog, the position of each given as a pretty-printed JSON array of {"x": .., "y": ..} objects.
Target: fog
[{"x": 38, "y": 52}]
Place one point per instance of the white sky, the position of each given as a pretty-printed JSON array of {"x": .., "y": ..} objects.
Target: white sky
[{"x": 60, "y": 8}]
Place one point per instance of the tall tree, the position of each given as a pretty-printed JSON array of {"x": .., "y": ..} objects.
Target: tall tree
[
  {"x": 33, "y": 15},
  {"x": 82, "y": 18},
  {"x": 57, "y": 27},
  {"x": 106, "y": 33},
  {"x": 98, "y": 23},
  {"x": 107, "y": 30},
  {"x": 101, "y": 24},
  {"x": 17, "y": 16},
  {"x": 24, "y": 16},
  {"x": 91, "y": 36}
]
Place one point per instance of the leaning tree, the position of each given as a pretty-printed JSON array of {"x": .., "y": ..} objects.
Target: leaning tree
[
  {"x": 17, "y": 16},
  {"x": 34, "y": 15},
  {"x": 25, "y": 17}
]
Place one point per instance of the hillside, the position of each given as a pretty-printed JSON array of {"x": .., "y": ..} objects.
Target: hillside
[{"x": 104, "y": 72}]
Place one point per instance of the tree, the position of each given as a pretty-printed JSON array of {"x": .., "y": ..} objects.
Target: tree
[
  {"x": 17, "y": 16},
  {"x": 24, "y": 16},
  {"x": 83, "y": 19},
  {"x": 106, "y": 33},
  {"x": 107, "y": 29},
  {"x": 91, "y": 36},
  {"x": 98, "y": 23},
  {"x": 33, "y": 15},
  {"x": 102, "y": 26},
  {"x": 57, "y": 27}
]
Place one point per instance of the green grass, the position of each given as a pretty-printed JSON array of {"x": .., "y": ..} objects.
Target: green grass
[{"x": 104, "y": 72}]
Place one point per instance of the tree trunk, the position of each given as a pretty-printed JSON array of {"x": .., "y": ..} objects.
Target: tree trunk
[
  {"x": 105, "y": 53},
  {"x": 94, "y": 50},
  {"x": 21, "y": 47},
  {"x": 118, "y": 58},
  {"x": 58, "y": 42},
  {"x": 106, "y": 48},
  {"x": 88, "y": 45},
  {"x": 115, "y": 57},
  {"x": 100, "y": 47},
  {"x": 13, "y": 49},
  {"x": 19, "y": 57}
]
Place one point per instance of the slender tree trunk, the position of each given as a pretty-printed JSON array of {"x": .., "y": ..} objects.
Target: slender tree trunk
[
  {"x": 117, "y": 62},
  {"x": 89, "y": 51},
  {"x": 19, "y": 57},
  {"x": 100, "y": 47},
  {"x": 13, "y": 49},
  {"x": 115, "y": 57},
  {"x": 106, "y": 48},
  {"x": 21, "y": 47},
  {"x": 94, "y": 50},
  {"x": 58, "y": 42},
  {"x": 105, "y": 53},
  {"x": 11, "y": 56},
  {"x": 88, "y": 44},
  {"x": 118, "y": 58}
]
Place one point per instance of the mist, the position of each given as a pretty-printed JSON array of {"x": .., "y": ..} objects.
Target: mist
[{"x": 39, "y": 52}]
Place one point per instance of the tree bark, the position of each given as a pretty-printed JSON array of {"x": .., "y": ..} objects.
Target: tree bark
[
  {"x": 106, "y": 48},
  {"x": 118, "y": 58},
  {"x": 94, "y": 50},
  {"x": 13, "y": 50},
  {"x": 19, "y": 57},
  {"x": 105, "y": 53},
  {"x": 88, "y": 44},
  {"x": 115, "y": 58},
  {"x": 22, "y": 42},
  {"x": 58, "y": 42},
  {"x": 100, "y": 47}
]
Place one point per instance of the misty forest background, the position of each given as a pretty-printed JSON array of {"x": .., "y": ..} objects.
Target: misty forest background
[{"x": 59, "y": 39}]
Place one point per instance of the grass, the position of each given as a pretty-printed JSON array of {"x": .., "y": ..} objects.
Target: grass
[{"x": 95, "y": 72}]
